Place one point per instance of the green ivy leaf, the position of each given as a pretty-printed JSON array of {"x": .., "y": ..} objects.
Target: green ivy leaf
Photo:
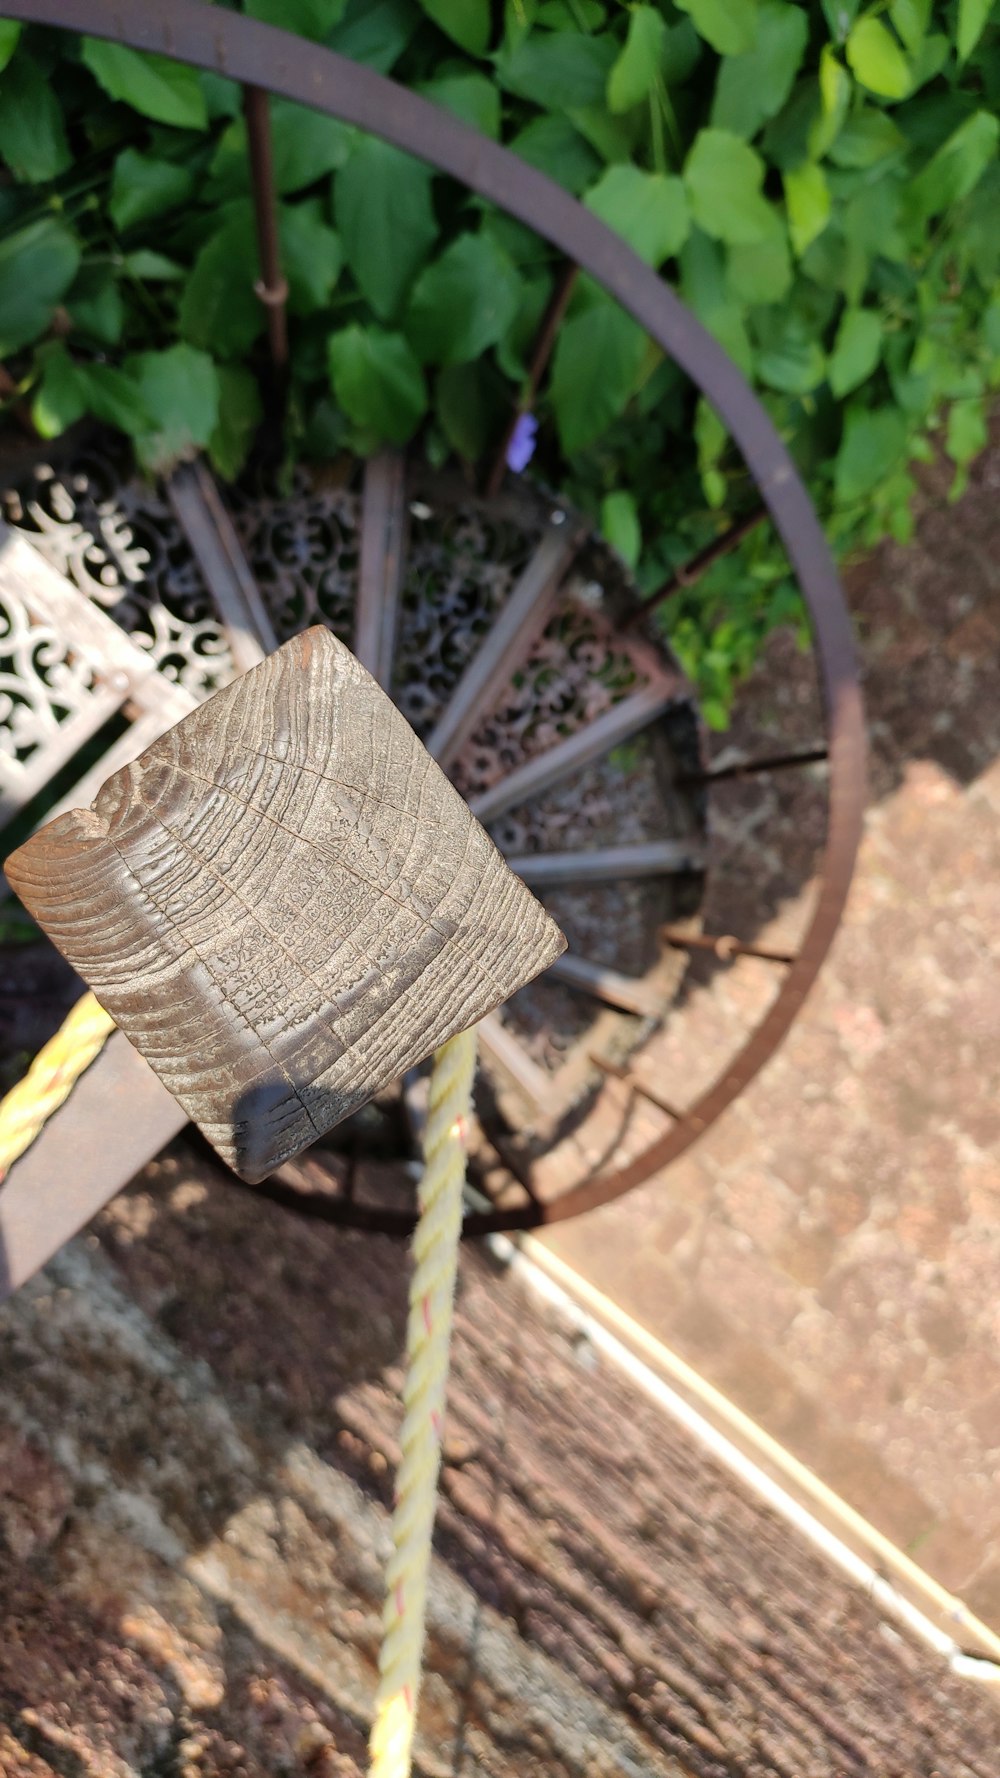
[
  {"x": 834, "y": 98},
  {"x": 966, "y": 433},
  {"x": 620, "y": 525},
  {"x": 553, "y": 146},
  {"x": 597, "y": 359},
  {"x": 867, "y": 138},
  {"x": 613, "y": 138},
  {"x": 376, "y": 32},
  {"x": 877, "y": 60},
  {"x": 95, "y": 305},
  {"x": 760, "y": 272},
  {"x": 60, "y": 398},
  {"x": 179, "y": 389},
  {"x": 972, "y": 17},
  {"x": 724, "y": 177},
  {"x": 648, "y": 210},
  {"x": 37, "y": 267},
  {"x": 636, "y": 68},
  {"x": 311, "y": 255},
  {"x": 152, "y": 268},
  {"x": 705, "y": 289},
  {"x": 730, "y": 26},
  {"x": 10, "y": 36},
  {"x": 873, "y": 445},
  {"x": 222, "y": 95},
  {"x": 153, "y": 85},
  {"x": 856, "y": 350},
  {"x": 382, "y": 202},
  {"x": 470, "y": 97},
  {"x": 464, "y": 302},
  {"x": 305, "y": 146},
  {"x": 219, "y": 310},
  {"x": 789, "y": 356},
  {"x": 514, "y": 349},
  {"x": 240, "y": 414},
  {"x": 115, "y": 398},
  {"x": 807, "y": 199},
  {"x": 32, "y": 137},
  {"x": 560, "y": 70},
  {"x": 754, "y": 86},
  {"x": 307, "y": 18},
  {"x": 143, "y": 188},
  {"x": 957, "y": 167},
  {"x": 711, "y": 439},
  {"x": 466, "y": 22},
  {"x": 911, "y": 18},
  {"x": 378, "y": 382},
  {"x": 471, "y": 406}
]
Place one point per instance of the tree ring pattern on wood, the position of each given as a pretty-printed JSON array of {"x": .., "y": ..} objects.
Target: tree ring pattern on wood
[{"x": 284, "y": 904}]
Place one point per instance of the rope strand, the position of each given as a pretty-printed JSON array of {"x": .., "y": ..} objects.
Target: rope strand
[
  {"x": 51, "y": 1078},
  {"x": 428, "y": 1336}
]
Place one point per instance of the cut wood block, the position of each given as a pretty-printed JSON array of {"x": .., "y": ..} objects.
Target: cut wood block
[{"x": 284, "y": 904}]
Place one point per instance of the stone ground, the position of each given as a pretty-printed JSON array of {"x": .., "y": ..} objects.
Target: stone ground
[
  {"x": 198, "y": 1419},
  {"x": 829, "y": 1254}
]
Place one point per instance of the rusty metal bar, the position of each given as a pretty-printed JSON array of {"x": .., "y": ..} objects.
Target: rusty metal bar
[
  {"x": 691, "y": 572},
  {"x": 520, "y": 622},
  {"x": 613, "y": 864},
  {"x": 750, "y": 768},
  {"x": 271, "y": 287},
  {"x": 618, "y": 724},
  {"x": 380, "y": 574},
  {"x": 541, "y": 352},
  {"x": 626, "y": 992},
  {"x": 722, "y": 946}
]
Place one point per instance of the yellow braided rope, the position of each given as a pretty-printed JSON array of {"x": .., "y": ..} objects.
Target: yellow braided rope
[
  {"x": 428, "y": 1336},
  {"x": 48, "y": 1083},
  {"x": 51, "y": 1077}
]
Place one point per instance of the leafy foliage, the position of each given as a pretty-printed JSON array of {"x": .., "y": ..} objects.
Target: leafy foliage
[{"x": 820, "y": 182}]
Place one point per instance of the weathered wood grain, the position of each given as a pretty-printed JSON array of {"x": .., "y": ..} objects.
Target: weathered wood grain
[{"x": 284, "y": 903}]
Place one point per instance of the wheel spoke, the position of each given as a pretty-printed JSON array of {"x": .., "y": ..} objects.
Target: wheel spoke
[
  {"x": 691, "y": 573},
  {"x": 623, "y": 720},
  {"x": 380, "y": 575},
  {"x": 778, "y": 762},
  {"x": 503, "y": 1049},
  {"x": 627, "y": 993},
  {"x": 521, "y": 621},
  {"x": 219, "y": 554},
  {"x": 722, "y": 946},
  {"x": 613, "y": 864}
]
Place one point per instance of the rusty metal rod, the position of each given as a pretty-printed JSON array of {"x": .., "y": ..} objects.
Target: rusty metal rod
[
  {"x": 722, "y": 946},
  {"x": 272, "y": 286},
  {"x": 692, "y": 571},
  {"x": 541, "y": 352},
  {"x": 777, "y": 762}
]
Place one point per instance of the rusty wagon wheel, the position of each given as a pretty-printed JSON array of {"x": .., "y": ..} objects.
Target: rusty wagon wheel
[{"x": 529, "y": 757}]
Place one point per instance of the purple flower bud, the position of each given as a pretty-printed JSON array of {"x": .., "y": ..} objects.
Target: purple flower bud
[{"x": 522, "y": 443}]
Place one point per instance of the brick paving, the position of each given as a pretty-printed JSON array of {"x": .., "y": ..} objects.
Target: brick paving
[
  {"x": 829, "y": 1255},
  {"x": 198, "y": 1422}
]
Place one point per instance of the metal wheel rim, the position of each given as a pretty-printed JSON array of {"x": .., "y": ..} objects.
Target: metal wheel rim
[{"x": 263, "y": 56}]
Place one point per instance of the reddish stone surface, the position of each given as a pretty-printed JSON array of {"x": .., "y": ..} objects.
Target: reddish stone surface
[
  {"x": 830, "y": 1253},
  {"x": 198, "y": 1431}
]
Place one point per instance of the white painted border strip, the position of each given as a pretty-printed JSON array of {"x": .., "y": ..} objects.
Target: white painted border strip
[{"x": 945, "y": 1616}]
